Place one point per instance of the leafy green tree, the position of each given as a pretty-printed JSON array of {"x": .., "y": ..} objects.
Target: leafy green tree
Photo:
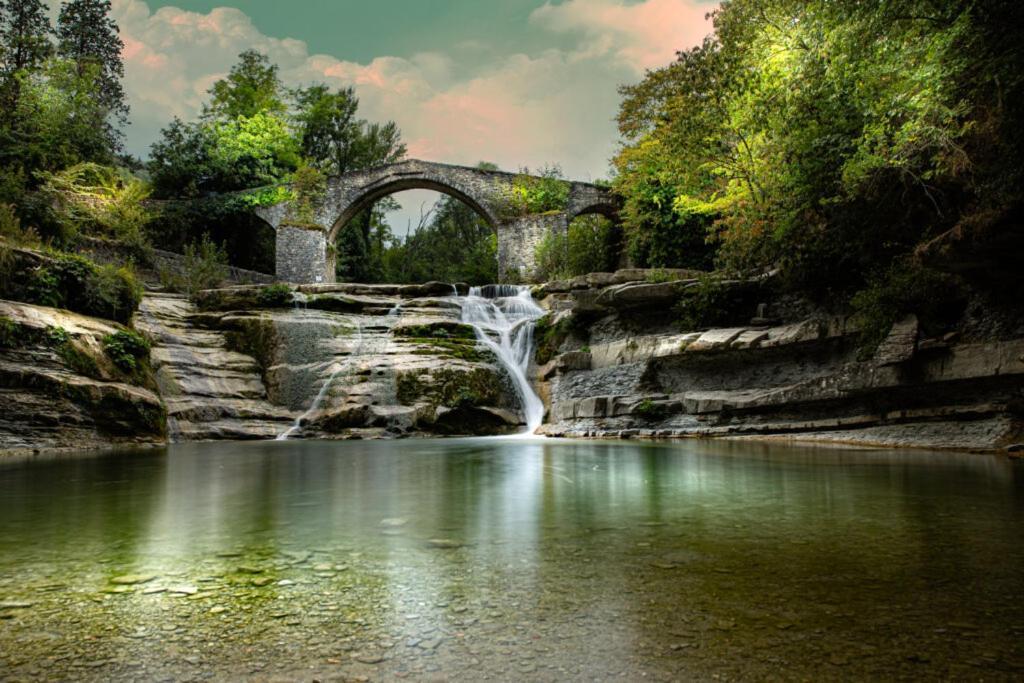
[
  {"x": 826, "y": 139},
  {"x": 88, "y": 37},
  {"x": 251, "y": 87}
]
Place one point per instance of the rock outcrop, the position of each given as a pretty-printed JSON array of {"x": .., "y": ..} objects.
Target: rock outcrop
[
  {"x": 60, "y": 389},
  {"x": 209, "y": 390},
  {"x": 344, "y": 361},
  {"x": 618, "y": 368}
]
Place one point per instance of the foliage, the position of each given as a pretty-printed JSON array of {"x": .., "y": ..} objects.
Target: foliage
[
  {"x": 24, "y": 42},
  {"x": 11, "y": 230},
  {"x": 251, "y": 88},
  {"x": 707, "y": 304},
  {"x": 275, "y": 296},
  {"x": 649, "y": 410},
  {"x": 309, "y": 186},
  {"x": 127, "y": 349},
  {"x": 258, "y": 149},
  {"x": 99, "y": 200},
  {"x": 826, "y": 139},
  {"x": 588, "y": 246},
  {"x": 9, "y": 333},
  {"x": 907, "y": 287},
  {"x": 268, "y": 196},
  {"x": 227, "y": 219},
  {"x": 452, "y": 244},
  {"x": 88, "y": 37},
  {"x": 334, "y": 139},
  {"x": 530, "y": 194},
  {"x": 74, "y": 282},
  {"x": 205, "y": 266},
  {"x": 55, "y": 122}
]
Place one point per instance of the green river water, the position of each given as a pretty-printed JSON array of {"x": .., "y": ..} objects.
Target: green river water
[{"x": 504, "y": 559}]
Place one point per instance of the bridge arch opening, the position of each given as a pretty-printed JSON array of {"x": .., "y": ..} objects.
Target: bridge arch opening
[{"x": 414, "y": 230}]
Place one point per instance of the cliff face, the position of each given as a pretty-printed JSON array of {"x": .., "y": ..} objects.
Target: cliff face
[{"x": 620, "y": 367}]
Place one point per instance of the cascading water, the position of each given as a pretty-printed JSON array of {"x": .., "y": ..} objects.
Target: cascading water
[{"x": 503, "y": 317}]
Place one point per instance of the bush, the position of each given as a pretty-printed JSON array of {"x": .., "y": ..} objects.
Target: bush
[
  {"x": 938, "y": 300},
  {"x": 706, "y": 305},
  {"x": 99, "y": 200},
  {"x": 275, "y": 296},
  {"x": 73, "y": 282},
  {"x": 205, "y": 266},
  {"x": 533, "y": 194},
  {"x": 127, "y": 350},
  {"x": 9, "y": 337},
  {"x": 11, "y": 230},
  {"x": 649, "y": 410}
]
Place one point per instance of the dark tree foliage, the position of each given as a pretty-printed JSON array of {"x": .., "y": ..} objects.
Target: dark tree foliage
[
  {"x": 88, "y": 37},
  {"x": 829, "y": 140},
  {"x": 453, "y": 244},
  {"x": 24, "y": 36}
]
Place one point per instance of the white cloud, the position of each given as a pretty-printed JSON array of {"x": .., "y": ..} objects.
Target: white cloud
[{"x": 555, "y": 106}]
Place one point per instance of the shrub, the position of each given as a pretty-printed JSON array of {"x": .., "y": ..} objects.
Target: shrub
[
  {"x": 9, "y": 337},
  {"x": 649, "y": 410},
  {"x": 706, "y": 305},
  {"x": 73, "y": 282},
  {"x": 100, "y": 200},
  {"x": 532, "y": 194},
  {"x": 205, "y": 266},
  {"x": 11, "y": 230},
  {"x": 127, "y": 350},
  {"x": 275, "y": 296},
  {"x": 938, "y": 300}
]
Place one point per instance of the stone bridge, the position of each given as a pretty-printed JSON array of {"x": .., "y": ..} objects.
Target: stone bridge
[{"x": 302, "y": 250}]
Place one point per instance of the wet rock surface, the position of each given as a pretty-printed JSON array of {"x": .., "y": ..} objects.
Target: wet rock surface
[{"x": 341, "y": 361}]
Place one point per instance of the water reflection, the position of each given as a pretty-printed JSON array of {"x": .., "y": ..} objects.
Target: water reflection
[{"x": 530, "y": 558}]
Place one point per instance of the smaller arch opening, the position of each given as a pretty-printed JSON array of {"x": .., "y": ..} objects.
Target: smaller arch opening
[{"x": 591, "y": 243}]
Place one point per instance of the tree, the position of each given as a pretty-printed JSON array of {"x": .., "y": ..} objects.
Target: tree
[
  {"x": 90, "y": 38},
  {"x": 24, "y": 35},
  {"x": 327, "y": 126},
  {"x": 24, "y": 46},
  {"x": 251, "y": 87},
  {"x": 335, "y": 140}
]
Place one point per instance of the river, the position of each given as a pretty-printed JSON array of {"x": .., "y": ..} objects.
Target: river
[{"x": 511, "y": 559}]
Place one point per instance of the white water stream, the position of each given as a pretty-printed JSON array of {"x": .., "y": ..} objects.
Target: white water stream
[{"x": 503, "y": 317}]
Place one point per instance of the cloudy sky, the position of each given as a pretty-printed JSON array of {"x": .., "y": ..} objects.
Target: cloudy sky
[{"x": 516, "y": 82}]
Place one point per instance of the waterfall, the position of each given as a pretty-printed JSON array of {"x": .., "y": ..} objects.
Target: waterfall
[{"x": 503, "y": 317}]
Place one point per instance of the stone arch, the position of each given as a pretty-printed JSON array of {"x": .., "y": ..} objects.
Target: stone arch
[{"x": 388, "y": 186}]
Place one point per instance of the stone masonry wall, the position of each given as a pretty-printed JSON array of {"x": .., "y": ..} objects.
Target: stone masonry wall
[
  {"x": 518, "y": 239},
  {"x": 302, "y": 255}
]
